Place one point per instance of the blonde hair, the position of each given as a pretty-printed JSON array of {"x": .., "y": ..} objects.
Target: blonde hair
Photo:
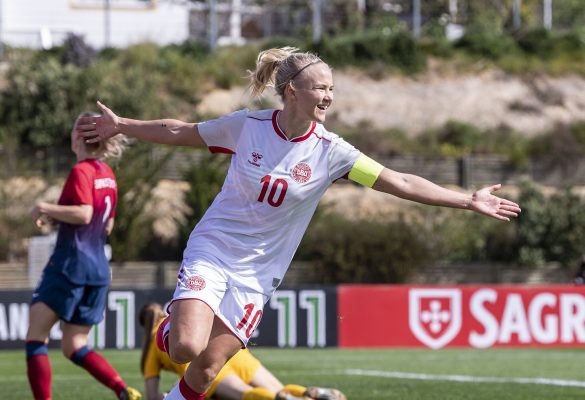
[
  {"x": 148, "y": 317},
  {"x": 277, "y": 67},
  {"x": 109, "y": 148}
]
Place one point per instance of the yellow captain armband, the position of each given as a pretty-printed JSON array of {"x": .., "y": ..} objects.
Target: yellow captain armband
[{"x": 365, "y": 171}]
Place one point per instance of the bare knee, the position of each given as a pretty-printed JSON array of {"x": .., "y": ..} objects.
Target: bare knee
[
  {"x": 184, "y": 351},
  {"x": 74, "y": 338},
  {"x": 67, "y": 349},
  {"x": 206, "y": 372}
]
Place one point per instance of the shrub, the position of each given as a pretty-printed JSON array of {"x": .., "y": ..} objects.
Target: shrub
[
  {"x": 344, "y": 251},
  {"x": 205, "y": 176},
  {"x": 396, "y": 49},
  {"x": 550, "y": 228},
  {"x": 457, "y": 236},
  {"x": 137, "y": 175},
  {"x": 537, "y": 42},
  {"x": 486, "y": 39}
]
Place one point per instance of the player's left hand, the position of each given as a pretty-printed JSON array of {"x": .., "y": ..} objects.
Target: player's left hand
[
  {"x": 484, "y": 202},
  {"x": 96, "y": 129}
]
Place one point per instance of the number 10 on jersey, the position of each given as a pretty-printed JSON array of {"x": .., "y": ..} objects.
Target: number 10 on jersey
[{"x": 278, "y": 188}]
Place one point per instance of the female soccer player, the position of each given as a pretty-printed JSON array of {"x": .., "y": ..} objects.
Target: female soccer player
[
  {"x": 242, "y": 378},
  {"x": 282, "y": 162},
  {"x": 75, "y": 282}
]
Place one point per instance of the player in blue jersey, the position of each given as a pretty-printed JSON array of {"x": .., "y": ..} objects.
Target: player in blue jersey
[
  {"x": 282, "y": 162},
  {"x": 75, "y": 281}
]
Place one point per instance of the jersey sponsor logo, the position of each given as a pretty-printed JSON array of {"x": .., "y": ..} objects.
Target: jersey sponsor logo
[
  {"x": 196, "y": 283},
  {"x": 301, "y": 173},
  {"x": 255, "y": 158},
  {"x": 434, "y": 315},
  {"x": 104, "y": 183}
]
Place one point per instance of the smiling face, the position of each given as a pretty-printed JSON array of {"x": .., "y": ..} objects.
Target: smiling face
[{"x": 311, "y": 93}]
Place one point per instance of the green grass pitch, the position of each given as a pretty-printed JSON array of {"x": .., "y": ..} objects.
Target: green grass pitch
[{"x": 413, "y": 374}]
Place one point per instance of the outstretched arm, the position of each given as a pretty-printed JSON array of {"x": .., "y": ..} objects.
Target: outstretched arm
[
  {"x": 415, "y": 188},
  {"x": 163, "y": 131}
]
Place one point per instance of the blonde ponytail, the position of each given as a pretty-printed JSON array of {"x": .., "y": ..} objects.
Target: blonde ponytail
[{"x": 277, "y": 67}]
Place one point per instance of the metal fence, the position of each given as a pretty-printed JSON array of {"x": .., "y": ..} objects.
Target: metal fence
[
  {"x": 235, "y": 21},
  {"x": 469, "y": 171}
]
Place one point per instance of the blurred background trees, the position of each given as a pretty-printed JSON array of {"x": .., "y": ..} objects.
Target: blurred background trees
[{"x": 41, "y": 93}]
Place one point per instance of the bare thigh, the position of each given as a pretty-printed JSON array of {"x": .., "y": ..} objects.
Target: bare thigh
[
  {"x": 74, "y": 338},
  {"x": 41, "y": 320},
  {"x": 190, "y": 330}
]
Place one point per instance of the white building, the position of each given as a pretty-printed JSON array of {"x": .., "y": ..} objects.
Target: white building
[{"x": 101, "y": 23}]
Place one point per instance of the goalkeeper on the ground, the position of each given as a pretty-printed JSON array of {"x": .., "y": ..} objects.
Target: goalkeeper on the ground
[{"x": 242, "y": 378}]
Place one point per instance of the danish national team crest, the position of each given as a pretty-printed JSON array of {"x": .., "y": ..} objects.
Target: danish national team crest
[
  {"x": 196, "y": 283},
  {"x": 434, "y": 315},
  {"x": 301, "y": 173}
]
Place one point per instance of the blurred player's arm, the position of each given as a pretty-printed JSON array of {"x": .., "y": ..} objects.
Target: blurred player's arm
[
  {"x": 162, "y": 131},
  {"x": 74, "y": 214},
  {"x": 109, "y": 226},
  {"x": 151, "y": 386}
]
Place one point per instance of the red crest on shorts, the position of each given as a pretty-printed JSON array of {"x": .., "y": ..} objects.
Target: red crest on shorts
[
  {"x": 196, "y": 282},
  {"x": 301, "y": 173}
]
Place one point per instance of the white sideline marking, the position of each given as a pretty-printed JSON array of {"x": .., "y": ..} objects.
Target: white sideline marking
[{"x": 464, "y": 378}]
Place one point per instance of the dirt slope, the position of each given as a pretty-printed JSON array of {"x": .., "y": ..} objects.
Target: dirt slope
[{"x": 492, "y": 98}]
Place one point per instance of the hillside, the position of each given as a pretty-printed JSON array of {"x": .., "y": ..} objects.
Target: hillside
[{"x": 491, "y": 98}]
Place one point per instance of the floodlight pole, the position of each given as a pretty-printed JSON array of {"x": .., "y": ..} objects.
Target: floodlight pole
[
  {"x": 453, "y": 10},
  {"x": 212, "y": 24},
  {"x": 517, "y": 20},
  {"x": 107, "y": 24},
  {"x": 547, "y": 14},
  {"x": 1, "y": 36},
  {"x": 236, "y": 22},
  {"x": 416, "y": 19},
  {"x": 317, "y": 20}
]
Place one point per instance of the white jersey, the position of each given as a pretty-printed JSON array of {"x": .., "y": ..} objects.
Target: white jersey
[{"x": 270, "y": 193}]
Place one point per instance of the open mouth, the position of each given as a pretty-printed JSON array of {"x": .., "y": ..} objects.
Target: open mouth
[{"x": 322, "y": 107}]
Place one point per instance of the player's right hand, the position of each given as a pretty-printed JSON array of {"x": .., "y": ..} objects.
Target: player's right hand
[{"x": 37, "y": 217}]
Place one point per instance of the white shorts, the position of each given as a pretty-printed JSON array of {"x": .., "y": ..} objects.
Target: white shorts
[{"x": 238, "y": 307}]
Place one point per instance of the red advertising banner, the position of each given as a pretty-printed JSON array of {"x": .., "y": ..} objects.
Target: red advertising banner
[{"x": 460, "y": 316}]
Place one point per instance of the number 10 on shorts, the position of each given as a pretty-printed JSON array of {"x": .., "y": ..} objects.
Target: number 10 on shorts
[{"x": 246, "y": 322}]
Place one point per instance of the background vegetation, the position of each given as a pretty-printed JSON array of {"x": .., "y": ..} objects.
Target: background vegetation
[{"x": 42, "y": 92}]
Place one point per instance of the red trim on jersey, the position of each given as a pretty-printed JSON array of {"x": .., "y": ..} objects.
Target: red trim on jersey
[
  {"x": 218, "y": 149},
  {"x": 282, "y": 135},
  {"x": 306, "y": 135},
  {"x": 276, "y": 127},
  {"x": 321, "y": 137}
]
